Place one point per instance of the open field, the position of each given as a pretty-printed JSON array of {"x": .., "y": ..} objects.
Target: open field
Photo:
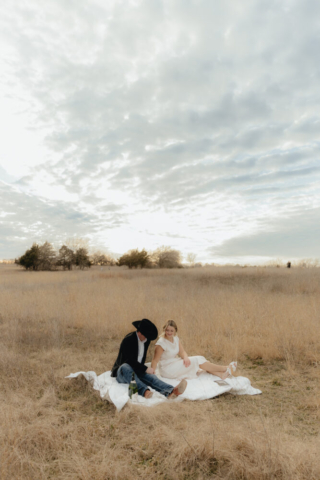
[{"x": 55, "y": 323}]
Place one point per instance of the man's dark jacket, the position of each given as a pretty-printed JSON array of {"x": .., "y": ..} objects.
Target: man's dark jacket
[{"x": 128, "y": 353}]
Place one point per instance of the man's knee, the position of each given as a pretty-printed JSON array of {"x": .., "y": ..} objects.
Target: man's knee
[
  {"x": 125, "y": 368},
  {"x": 124, "y": 373}
]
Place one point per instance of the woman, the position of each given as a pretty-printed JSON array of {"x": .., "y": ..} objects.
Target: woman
[{"x": 169, "y": 346}]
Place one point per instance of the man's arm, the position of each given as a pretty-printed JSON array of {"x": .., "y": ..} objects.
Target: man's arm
[{"x": 130, "y": 356}]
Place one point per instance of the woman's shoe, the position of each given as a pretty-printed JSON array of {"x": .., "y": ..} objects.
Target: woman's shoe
[{"x": 232, "y": 368}]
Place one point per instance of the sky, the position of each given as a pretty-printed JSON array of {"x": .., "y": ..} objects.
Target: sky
[{"x": 193, "y": 124}]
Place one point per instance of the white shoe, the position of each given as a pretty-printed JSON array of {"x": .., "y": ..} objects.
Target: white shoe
[{"x": 232, "y": 368}]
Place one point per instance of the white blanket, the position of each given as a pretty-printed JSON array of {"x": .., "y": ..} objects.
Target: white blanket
[{"x": 204, "y": 387}]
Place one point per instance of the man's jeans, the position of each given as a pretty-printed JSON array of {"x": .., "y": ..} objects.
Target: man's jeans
[{"x": 144, "y": 380}]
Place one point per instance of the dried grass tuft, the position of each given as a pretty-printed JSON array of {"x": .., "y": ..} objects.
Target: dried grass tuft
[{"x": 55, "y": 323}]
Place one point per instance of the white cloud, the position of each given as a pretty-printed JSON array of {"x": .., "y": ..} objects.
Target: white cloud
[{"x": 184, "y": 121}]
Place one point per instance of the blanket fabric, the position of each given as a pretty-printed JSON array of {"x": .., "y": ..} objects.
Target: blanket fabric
[{"x": 204, "y": 387}]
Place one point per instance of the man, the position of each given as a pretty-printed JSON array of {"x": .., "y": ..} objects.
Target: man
[{"x": 131, "y": 358}]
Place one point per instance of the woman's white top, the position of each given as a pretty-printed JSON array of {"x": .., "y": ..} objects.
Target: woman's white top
[{"x": 171, "y": 366}]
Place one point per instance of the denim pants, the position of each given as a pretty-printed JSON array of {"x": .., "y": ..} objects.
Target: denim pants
[{"x": 144, "y": 380}]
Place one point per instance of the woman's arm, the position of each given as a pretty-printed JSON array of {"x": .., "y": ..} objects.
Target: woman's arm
[
  {"x": 156, "y": 357},
  {"x": 183, "y": 354}
]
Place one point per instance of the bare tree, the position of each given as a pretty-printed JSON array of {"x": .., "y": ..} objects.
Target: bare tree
[
  {"x": 166, "y": 257},
  {"x": 47, "y": 257},
  {"x": 308, "y": 263},
  {"x": 77, "y": 242},
  {"x": 191, "y": 258},
  {"x": 99, "y": 258},
  {"x": 66, "y": 258}
]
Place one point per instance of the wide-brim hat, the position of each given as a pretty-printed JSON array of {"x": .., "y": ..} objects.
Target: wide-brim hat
[{"x": 147, "y": 328}]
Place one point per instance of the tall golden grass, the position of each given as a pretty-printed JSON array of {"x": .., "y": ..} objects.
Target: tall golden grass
[{"x": 55, "y": 323}]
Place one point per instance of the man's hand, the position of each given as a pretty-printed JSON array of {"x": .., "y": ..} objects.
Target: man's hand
[
  {"x": 186, "y": 361},
  {"x": 150, "y": 370}
]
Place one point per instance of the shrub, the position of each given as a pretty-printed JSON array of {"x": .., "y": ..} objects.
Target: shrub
[
  {"x": 134, "y": 259},
  {"x": 167, "y": 257}
]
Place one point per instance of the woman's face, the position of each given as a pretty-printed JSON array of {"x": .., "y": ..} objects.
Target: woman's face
[{"x": 170, "y": 332}]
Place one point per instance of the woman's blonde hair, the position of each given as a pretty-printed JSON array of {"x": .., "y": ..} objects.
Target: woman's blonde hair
[{"x": 169, "y": 323}]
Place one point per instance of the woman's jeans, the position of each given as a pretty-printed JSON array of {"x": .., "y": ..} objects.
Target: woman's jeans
[{"x": 144, "y": 380}]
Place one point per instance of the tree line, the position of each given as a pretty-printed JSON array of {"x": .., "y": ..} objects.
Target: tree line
[{"x": 45, "y": 257}]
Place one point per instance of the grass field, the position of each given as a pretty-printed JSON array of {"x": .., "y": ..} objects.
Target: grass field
[{"x": 55, "y": 323}]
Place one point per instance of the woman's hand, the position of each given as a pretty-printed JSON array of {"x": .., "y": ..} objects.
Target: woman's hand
[
  {"x": 183, "y": 354},
  {"x": 186, "y": 362}
]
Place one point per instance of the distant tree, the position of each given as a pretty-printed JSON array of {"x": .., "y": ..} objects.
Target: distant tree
[
  {"x": 134, "y": 259},
  {"x": 77, "y": 242},
  {"x": 167, "y": 257},
  {"x": 81, "y": 258},
  {"x": 191, "y": 258},
  {"x": 44, "y": 257},
  {"x": 99, "y": 258},
  {"x": 308, "y": 263},
  {"x": 66, "y": 258},
  {"x": 30, "y": 259},
  {"x": 47, "y": 257},
  {"x": 276, "y": 262}
]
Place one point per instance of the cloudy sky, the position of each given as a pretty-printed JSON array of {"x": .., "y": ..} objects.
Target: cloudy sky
[{"x": 140, "y": 123}]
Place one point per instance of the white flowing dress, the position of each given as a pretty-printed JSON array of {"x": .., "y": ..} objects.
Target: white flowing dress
[{"x": 171, "y": 366}]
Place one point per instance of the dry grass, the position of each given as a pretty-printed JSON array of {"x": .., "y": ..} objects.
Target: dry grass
[{"x": 55, "y": 323}]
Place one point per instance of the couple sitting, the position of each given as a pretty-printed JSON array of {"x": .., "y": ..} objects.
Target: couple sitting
[{"x": 133, "y": 352}]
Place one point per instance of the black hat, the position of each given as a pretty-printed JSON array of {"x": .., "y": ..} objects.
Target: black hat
[{"x": 147, "y": 328}]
